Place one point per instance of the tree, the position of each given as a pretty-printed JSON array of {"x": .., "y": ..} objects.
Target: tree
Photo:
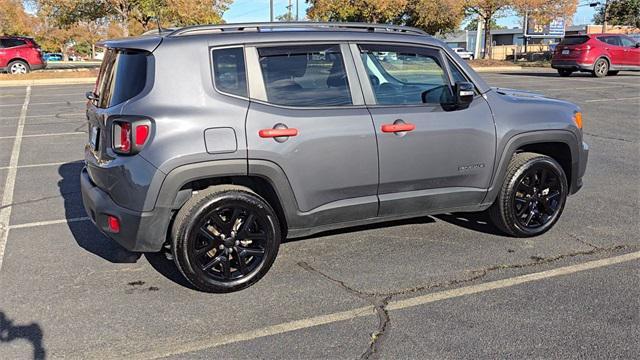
[
  {"x": 14, "y": 20},
  {"x": 472, "y": 25},
  {"x": 619, "y": 12},
  {"x": 372, "y": 11},
  {"x": 487, "y": 11},
  {"x": 435, "y": 16}
]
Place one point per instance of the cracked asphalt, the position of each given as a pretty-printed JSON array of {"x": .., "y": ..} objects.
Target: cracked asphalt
[{"x": 445, "y": 286}]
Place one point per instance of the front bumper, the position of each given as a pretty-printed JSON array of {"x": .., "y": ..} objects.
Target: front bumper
[
  {"x": 140, "y": 231},
  {"x": 582, "y": 168},
  {"x": 573, "y": 65}
]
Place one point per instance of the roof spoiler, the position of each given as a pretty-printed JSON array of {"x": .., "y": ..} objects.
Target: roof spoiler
[{"x": 146, "y": 43}]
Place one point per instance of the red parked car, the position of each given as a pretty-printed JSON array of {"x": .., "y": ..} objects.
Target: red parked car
[
  {"x": 599, "y": 54},
  {"x": 19, "y": 55}
]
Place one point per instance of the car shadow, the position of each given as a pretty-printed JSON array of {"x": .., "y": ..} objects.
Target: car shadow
[
  {"x": 83, "y": 231},
  {"x": 32, "y": 333},
  {"x": 385, "y": 224},
  {"x": 479, "y": 222}
]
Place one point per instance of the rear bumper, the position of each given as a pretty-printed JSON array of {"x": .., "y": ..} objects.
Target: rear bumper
[
  {"x": 140, "y": 231},
  {"x": 573, "y": 65}
]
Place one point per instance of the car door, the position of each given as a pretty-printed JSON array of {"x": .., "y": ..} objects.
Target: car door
[
  {"x": 307, "y": 117},
  {"x": 616, "y": 52},
  {"x": 631, "y": 52},
  {"x": 430, "y": 157}
]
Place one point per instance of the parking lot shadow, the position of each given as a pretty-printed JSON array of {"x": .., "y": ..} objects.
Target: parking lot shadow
[
  {"x": 84, "y": 232},
  {"x": 473, "y": 221},
  {"x": 32, "y": 333}
]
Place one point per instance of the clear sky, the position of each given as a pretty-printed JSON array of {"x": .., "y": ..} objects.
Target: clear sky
[{"x": 258, "y": 10}]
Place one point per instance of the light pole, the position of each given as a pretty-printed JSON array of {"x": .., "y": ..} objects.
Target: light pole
[{"x": 271, "y": 10}]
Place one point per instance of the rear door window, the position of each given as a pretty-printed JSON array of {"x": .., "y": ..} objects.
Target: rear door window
[
  {"x": 229, "y": 71},
  {"x": 574, "y": 40},
  {"x": 305, "y": 76},
  {"x": 611, "y": 40},
  {"x": 122, "y": 76},
  {"x": 627, "y": 42}
]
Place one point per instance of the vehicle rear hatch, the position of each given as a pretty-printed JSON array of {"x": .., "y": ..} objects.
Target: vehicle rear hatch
[
  {"x": 572, "y": 47},
  {"x": 122, "y": 76}
]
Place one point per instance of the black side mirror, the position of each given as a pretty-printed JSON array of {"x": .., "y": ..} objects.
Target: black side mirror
[
  {"x": 90, "y": 95},
  {"x": 464, "y": 93},
  {"x": 638, "y": 45}
]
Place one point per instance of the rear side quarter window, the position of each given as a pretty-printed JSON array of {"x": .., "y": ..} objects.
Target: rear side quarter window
[{"x": 229, "y": 72}]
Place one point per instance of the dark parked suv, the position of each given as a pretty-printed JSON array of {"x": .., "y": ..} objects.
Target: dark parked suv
[{"x": 274, "y": 131}]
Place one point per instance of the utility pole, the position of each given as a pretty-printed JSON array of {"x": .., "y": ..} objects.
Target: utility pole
[
  {"x": 297, "y": 10},
  {"x": 479, "y": 42},
  {"x": 271, "y": 10},
  {"x": 604, "y": 20},
  {"x": 289, "y": 12}
]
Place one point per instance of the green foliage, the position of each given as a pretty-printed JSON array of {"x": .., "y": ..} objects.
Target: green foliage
[
  {"x": 472, "y": 25},
  {"x": 620, "y": 12}
]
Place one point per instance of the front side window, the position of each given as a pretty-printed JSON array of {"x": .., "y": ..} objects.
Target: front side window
[
  {"x": 305, "y": 76},
  {"x": 229, "y": 71},
  {"x": 8, "y": 43},
  {"x": 401, "y": 75}
]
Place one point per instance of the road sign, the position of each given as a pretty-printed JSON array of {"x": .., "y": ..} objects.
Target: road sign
[{"x": 552, "y": 29}]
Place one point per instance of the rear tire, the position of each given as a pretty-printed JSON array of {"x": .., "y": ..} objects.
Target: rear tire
[
  {"x": 532, "y": 196},
  {"x": 565, "y": 72},
  {"x": 600, "y": 68},
  {"x": 18, "y": 67},
  {"x": 225, "y": 238}
]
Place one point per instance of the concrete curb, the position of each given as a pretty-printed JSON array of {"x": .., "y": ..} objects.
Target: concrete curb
[{"x": 36, "y": 82}]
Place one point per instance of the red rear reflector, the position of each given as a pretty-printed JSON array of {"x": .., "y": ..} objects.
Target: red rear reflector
[
  {"x": 142, "y": 133},
  {"x": 113, "y": 223}
]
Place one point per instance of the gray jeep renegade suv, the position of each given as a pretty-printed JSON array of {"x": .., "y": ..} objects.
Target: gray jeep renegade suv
[{"x": 217, "y": 142}]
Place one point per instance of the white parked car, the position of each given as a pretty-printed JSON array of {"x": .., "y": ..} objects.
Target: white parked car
[{"x": 463, "y": 53}]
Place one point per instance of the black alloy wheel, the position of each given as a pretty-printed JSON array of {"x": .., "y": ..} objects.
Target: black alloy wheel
[
  {"x": 225, "y": 238},
  {"x": 538, "y": 197},
  {"x": 532, "y": 196}
]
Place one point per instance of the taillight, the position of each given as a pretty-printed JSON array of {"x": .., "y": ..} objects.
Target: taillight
[{"x": 130, "y": 136}]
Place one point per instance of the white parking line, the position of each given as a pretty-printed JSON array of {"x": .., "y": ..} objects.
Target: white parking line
[
  {"x": 40, "y": 165},
  {"x": 42, "y": 135},
  {"x": 51, "y": 222},
  {"x": 172, "y": 349},
  {"x": 48, "y": 103},
  {"x": 616, "y": 99},
  {"x": 60, "y": 116},
  {"x": 7, "y": 196}
]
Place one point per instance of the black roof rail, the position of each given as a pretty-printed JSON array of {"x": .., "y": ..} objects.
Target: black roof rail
[{"x": 299, "y": 25}]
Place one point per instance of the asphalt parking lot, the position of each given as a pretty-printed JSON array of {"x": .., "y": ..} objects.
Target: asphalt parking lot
[{"x": 446, "y": 286}]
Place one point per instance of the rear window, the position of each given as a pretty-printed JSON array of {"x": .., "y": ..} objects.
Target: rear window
[
  {"x": 574, "y": 40},
  {"x": 123, "y": 75}
]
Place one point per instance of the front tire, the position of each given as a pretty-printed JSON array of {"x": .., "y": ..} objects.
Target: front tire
[
  {"x": 532, "y": 196},
  {"x": 18, "y": 67},
  {"x": 225, "y": 239},
  {"x": 601, "y": 68}
]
